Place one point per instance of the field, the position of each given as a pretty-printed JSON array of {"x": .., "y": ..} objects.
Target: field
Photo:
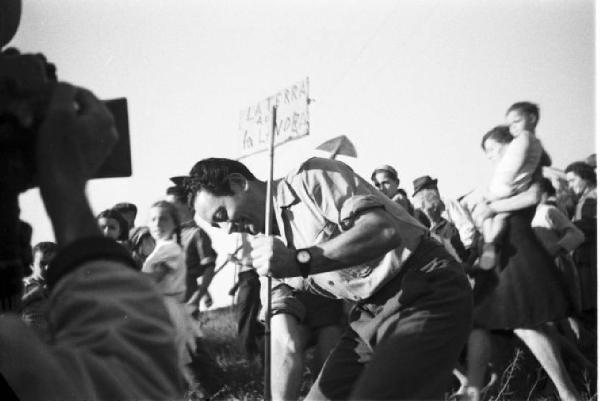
[{"x": 521, "y": 378}]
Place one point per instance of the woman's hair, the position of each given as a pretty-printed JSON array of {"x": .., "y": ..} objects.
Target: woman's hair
[
  {"x": 500, "y": 134},
  {"x": 547, "y": 187},
  {"x": 172, "y": 211},
  {"x": 113, "y": 214},
  {"x": 583, "y": 170}
]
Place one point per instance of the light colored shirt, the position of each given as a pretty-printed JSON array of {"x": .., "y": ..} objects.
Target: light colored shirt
[
  {"x": 322, "y": 198},
  {"x": 168, "y": 253},
  {"x": 553, "y": 228},
  {"x": 514, "y": 172},
  {"x": 458, "y": 215}
]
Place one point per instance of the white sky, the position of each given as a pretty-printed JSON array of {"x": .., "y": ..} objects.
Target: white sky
[{"x": 414, "y": 84}]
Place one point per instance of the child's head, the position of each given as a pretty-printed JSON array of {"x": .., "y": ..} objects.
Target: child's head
[
  {"x": 164, "y": 221},
  {"x": 522, "y": 116},
  {"x": 43, "y": 253},
  {"x": 112, "y": 225},
  {"x": 494, "y": 142}
]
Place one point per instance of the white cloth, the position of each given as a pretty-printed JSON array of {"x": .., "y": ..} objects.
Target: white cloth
[
  {"x": 169, "y": 254},
  {"x": 514, "y": 172}
]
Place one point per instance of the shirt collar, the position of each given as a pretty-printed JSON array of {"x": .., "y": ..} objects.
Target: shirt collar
[
  {"x": 285, "y": 196},
  {"x": 189, "y": 223}
]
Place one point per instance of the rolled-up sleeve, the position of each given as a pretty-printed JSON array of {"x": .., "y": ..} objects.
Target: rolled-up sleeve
[
  {"x": 356, "y": 205},
  {"x": 337, "y": 191}
]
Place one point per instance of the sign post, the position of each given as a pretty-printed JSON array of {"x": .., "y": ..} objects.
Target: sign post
[
  {"x": 264, "y": 126},
  {"x": 268, "y": 232}
]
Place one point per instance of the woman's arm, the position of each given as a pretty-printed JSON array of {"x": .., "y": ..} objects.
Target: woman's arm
[{"x": 530, "y": 197}]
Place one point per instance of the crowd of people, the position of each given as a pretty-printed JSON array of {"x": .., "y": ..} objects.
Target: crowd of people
[{"x": 377, "y": 280}]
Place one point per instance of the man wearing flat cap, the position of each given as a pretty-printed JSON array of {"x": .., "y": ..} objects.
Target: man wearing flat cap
[
  {"x": 449, "y": 219},
  {"x": 385, "y": 178},
  {"x": 339, "y": 236}
]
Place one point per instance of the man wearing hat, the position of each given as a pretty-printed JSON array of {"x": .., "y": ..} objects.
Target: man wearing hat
[
  {"x": 385, "y": 178},
  {"x": 449, "y": 219}
]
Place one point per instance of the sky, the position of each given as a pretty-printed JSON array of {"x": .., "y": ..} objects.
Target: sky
[{"x": 414, "y": 84}]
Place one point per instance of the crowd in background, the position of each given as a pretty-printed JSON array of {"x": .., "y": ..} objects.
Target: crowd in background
[{"x": 531, "y": 264}]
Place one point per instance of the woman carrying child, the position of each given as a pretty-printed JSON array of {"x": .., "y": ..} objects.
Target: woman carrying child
[{"x": 522, "y": 292}]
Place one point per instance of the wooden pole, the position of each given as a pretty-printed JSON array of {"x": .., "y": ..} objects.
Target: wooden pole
[{"x": 268, "y": 207}]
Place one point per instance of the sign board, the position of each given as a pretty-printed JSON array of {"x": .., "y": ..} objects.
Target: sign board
[{"x": 292, "y": 119}]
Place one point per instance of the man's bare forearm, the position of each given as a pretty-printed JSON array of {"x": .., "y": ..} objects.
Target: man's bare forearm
[{"x": 372, "y": 235}]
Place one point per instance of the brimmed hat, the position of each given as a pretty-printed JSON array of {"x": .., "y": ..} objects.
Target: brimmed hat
[
  {"x": 423, "y": 183},
  {"x": 179, "y": 180},
  {"x": 385, "y": 168}
]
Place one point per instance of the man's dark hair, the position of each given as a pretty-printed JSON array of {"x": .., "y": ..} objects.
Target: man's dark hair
[
  {"x": 44, "y": 247},
  {"x": 547, "y": 187},
  {"x": 500, "y": 134},
  {"x": 178, "y": 192},
  {"x": 526, "y": 108},
  {"x": 212, "y": 175},
  {"x": 583, "y": 170},
  {"x": 125, "y": 207}
]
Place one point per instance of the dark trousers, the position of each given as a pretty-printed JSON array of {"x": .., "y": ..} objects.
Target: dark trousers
[
  {"x": 403, "y": 341},
  {"x": 250, "y": 330}
]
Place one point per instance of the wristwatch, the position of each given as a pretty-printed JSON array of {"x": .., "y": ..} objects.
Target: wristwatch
[{"x": 303, "y": 258}]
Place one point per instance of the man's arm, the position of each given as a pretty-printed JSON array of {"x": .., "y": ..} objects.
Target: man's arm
[
  {"x": 71, "y": 145},
  {"x": 112, "y": 335},
  {"x": 373, "y": 234}
]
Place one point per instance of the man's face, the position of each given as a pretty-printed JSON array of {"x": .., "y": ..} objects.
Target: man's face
[
  {"x": 429, "y": 201},
  {"x": 242, "y": 212},
  {"x": 41, "y": 260},
  {"x": 576, "y": 184},
  {"x": 493, "y": 150},
  {"x": 518, "y": 121},
  {"x": 386, "y": 184}
]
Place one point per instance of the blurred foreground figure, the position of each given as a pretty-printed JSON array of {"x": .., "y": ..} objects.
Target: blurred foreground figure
[{"x": 110, "y": 334}]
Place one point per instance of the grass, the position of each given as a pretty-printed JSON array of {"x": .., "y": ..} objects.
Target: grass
[
  {"x": 242, "y": 379},
  {"x": 521, "y": 377}
]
